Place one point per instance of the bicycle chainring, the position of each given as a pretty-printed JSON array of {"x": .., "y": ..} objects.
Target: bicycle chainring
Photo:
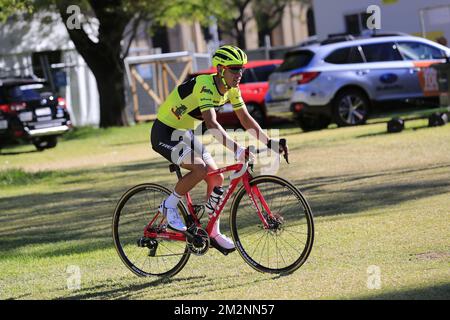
[{"x": 198, "y": 244}]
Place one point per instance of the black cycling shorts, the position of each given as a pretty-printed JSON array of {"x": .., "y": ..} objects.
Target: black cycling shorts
[{"x": 175, "y": 145}]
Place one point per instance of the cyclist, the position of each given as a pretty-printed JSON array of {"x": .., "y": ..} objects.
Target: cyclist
[{"x": 189, "y": 104}]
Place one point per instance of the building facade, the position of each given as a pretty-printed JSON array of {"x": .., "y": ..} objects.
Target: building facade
[
  {"x": 41, "y": 46},
  {"x": 296, "y": 25},
  {"x": 427, "y": 18}
]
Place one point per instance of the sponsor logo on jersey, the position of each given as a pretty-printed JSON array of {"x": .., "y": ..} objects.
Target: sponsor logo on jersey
[
  {"x": 178, "y": 112},
  {"x": 206, "y": 90}
]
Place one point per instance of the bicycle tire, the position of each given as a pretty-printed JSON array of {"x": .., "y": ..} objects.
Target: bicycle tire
[
  {"x": 242, "y": 231},
  {"x": 125, "y": 244}
]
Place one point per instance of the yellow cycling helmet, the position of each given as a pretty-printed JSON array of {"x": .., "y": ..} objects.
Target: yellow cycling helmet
[{"x": 229, "y": 55}]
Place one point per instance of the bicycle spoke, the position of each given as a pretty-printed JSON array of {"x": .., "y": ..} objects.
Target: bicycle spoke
[
  {"x": 289, "y": 244},
  {"x": 286, "y": 242},
  {"x": 262, "y": 250},
  {"x": 137, "y": 211},
  {"x": 289, "y": 231},
  {"x": 282, "y": 257},
  {"x": 258, "y": 243}
]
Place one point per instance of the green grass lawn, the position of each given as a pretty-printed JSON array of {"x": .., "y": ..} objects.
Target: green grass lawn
[{"x": 381, "y": 202}]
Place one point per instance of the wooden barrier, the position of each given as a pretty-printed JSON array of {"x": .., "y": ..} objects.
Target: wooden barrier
[{"x": 162, "y": 90}]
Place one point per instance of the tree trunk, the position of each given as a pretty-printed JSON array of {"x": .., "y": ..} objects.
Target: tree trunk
[
  {"x": 109, "y": 74},
  {"x": 241, "y": 39},
  {"x": 239, "y": 28},
  {"x": 104, "y": 58},
  {"x": 112, "y": 98},
  {"x": 263, "y": 22}
]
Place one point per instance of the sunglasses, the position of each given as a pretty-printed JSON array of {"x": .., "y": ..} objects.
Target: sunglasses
[{"x": 235, "y": 70}]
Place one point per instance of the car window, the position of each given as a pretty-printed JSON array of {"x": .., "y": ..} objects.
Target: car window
[
  {"x": 27, "y": 92},
  {"x": 295, "y": 60},
  {"x": 2, "y": 97},
  {"x": 381, "y": 52},
  {"x": 262, "y": 73},
  {"x": 345, "y": 55},
  {"x": 419, "y": 51},
  {"x": 248, "y": 76}
]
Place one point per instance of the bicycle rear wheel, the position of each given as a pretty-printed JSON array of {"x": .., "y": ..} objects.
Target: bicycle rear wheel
[
  {"x": 287, "y": 243},
  {"x": 133, "y": 213}
]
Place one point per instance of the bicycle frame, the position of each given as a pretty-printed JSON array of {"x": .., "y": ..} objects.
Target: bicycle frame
[{"x": 236, "y": 178}]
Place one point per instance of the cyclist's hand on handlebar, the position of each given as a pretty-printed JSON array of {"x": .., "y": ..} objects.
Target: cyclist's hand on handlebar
[
  {"x": 242, "y": 154},
  {"x": 279, "y": 146}
]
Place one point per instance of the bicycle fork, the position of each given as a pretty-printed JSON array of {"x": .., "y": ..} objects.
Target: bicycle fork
[{"x": 254, "y": 193}]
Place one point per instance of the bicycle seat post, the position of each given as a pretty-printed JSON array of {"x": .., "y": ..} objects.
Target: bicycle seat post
[{"x": 174, "y": 167}]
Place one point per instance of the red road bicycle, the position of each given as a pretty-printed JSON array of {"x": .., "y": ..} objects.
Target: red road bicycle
[{"x": 271, "y": 225}]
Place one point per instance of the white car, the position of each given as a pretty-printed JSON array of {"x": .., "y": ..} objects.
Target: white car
[{"x": 343, "y": 80}]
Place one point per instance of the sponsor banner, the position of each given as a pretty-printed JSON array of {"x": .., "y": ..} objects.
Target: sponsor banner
[{"x": 428, "y": 78}]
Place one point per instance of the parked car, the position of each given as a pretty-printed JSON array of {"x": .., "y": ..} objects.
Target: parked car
[
  {"x": 253, "y": 87},
  {"x": 30, "y": 111},
  {"x": 10, "y": 127},
  {"x": 343, "y": 80}
]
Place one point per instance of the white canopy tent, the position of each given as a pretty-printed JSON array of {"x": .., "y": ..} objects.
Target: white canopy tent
[{"x": 20, "y": 38}]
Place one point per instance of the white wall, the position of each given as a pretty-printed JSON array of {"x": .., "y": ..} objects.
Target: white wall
[
  {"x": 46, "y": 32},
  {"x": 82, "y": 97},
  {"x": 19, "y": 65},
  {"x": 396, "y": 15}
]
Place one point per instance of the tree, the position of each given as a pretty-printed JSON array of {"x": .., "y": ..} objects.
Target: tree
[
  {"x": 234, "y": 19},
  {"x": 105, "y": 54},
  {"x": 104, "y": 57},
  {"x": 269, "y": 14},
  {"x": 9, "y": 7}
]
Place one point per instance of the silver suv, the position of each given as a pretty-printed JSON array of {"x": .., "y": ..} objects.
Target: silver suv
[{"x": 343, "y": 80}]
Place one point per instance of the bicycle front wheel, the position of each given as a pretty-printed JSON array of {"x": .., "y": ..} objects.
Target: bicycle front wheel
[
  {"x": 135, "y": 211},
  {"x": 286, "y": 244}
]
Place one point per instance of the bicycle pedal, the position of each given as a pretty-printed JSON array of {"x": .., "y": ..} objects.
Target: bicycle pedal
[
  {"x": 152, "y": 251},
  {"x": 213, "y": 243}
]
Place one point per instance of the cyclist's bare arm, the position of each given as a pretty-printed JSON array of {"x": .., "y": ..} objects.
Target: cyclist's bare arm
[
  {"x": 250, "y": 124},
  {"x": 209, "y": 116}
]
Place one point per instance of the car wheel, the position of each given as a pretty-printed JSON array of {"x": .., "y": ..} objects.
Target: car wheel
[
  {"x": 45, "y": 143},
  {"x": 350, "y": 108},
  {"x": 312, "y": 123},
  {"x": 257, "y": 113}
]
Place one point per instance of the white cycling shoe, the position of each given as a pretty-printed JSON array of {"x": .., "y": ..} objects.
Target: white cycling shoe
[
  {"x": 220, "y": 240},
  {"x": 224, "y": 241},
  {"x": 174, "y": 220}
]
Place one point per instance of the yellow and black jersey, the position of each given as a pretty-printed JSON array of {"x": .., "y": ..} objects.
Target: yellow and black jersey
[{"x": 184, "y": 106}]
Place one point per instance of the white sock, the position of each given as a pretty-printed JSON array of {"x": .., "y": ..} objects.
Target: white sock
[
  {"x": 216, "y": 228},
  {"x": 172, "y": 200}
]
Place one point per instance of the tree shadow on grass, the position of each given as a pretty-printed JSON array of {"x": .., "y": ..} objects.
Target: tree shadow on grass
[
  {"x": 362, "y": 195},
  {"x": 359, "y": 199},
  {"x": 74, "y": 215},
  {"x": 389, "y": 133},
  {"x": 84, "y": 216},
  {"x": 14, "y": 153},
  {"x": 356, "y": 193},
  {"x": 161, "y": 288},
  {"x": 120, "y": 291},
  {"x": 317, "y": 182},
  {"x": 437, "y": 292}
]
